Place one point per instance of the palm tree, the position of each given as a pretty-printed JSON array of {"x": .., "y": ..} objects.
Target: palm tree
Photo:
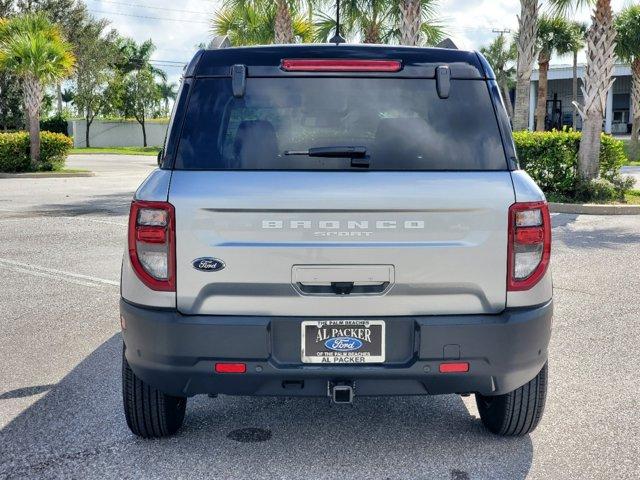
[
  {"x": 598, "y": 80},
  {"x": 501, "y": 55},
  {"x": 579, "y": 31},
  {"x": 418, "y": 22},
  {"x": 136, "y": 57},
  {"x": 32, "y": 48},
  {"x": 526, "y": 43},
  {"x": 254, "y": 23},
  {"x": 67, "y": 96},
  {"x": 554, "y": 35},
  {"x": 167, "y": 91},
  {"x": 628, "y": 49},
  {"x": 407, "y": 22}
]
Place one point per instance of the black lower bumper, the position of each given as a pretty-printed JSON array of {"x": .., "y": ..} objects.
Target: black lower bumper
[{"x": 176, "y": 353}]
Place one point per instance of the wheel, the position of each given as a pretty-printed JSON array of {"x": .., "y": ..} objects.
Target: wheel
[
  {"x": 149, "y": 412},
  {"x": 515, "y": 413}
]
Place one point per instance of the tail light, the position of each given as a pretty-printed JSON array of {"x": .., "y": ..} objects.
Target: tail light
[
  {"x": 152, "y": 244},
  {"x": 529, "y": 248},
  {"x": 339, "y": 65}
]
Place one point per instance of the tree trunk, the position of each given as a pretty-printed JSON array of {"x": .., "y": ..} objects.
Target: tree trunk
[
  {"x": 590, "y": 147},
  {"x": 541, "y": 108},
  {"x": 371, "y": 34},
  {"x": 574, "y": 95},
  {"x": 283, "y": 25},
  {"x": 598, "y": 80},
  {"x": 410, "y": 22},
  {"x": 528, "y": 28},
  {"x": 59, "y": 98},
  {"x": 144, "y": 132},
  {"x": 32, "y": 101},
  {"x": 86, "y": 131},
  {"x": 507, "y": 99},
  {"x": 635, "y": 102}
]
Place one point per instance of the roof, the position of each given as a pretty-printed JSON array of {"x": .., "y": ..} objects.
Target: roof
[
  {"x": 565, "y": 72},
  {"x": 265, "y": 60}
]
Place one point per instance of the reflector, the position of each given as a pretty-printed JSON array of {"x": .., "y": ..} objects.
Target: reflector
[
  {"x": 230, "y": 368},
  {"x": 454, "y": 367}
]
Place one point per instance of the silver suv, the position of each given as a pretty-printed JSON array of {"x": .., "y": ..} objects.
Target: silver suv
[{"x": 337, "y": 221}]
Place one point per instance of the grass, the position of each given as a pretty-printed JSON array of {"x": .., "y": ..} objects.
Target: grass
[
  {"x": 633, "y": 197},
  {"x": 150, "y": 151},
  {"x": 634, "y": 157}
]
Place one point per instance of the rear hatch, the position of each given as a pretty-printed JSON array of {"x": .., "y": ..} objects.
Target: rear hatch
[{"x": 415, "y": 225}]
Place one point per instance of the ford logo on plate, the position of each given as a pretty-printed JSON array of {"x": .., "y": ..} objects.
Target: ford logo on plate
[
  {"x": 343, "y": 344},
  {"x": 208, "y": 264}
]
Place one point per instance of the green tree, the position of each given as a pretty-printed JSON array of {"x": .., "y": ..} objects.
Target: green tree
[
  {"x": 417, "y": 22},
  {"x": 254, "y": 23},
  {"x": 598, "y": 80},
  {"x": 526, "y": 43},
  {"x": 166, "y": 92},
  {"x": 11, "y": 102},
  {"x": 32, "y": 48},
  {"x": 554, "y": 36},
  {"x": 69, "y": 15},
  {"x": 133, "y": 56},
  {"x": 628, "y": 49},
  {"x": 502, "y": 55},
  {"x": 579, "y": 32},
  {"x": 139, "y": 97},
  {"x": 67, "y": 96},
  {"x": 93, "y": 70}
]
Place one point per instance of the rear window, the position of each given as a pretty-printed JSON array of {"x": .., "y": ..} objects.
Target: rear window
[{"x": 402, "y": 124}]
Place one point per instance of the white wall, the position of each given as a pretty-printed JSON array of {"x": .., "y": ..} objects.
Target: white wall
[{"x": 116, "y": 134}]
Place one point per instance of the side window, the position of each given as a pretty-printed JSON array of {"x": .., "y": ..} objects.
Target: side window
[{"x": 172, "y": 134}]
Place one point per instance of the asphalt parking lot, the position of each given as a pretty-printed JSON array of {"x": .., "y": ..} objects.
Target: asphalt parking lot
[{"x": 61, "y": 242}]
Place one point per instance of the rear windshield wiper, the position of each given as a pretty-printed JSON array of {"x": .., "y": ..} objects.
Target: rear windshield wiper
[
  {"x": 331, "y": 152},
  {"x": 358, "y": 155}
]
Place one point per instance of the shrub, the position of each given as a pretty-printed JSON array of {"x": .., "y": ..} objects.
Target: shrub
[
  {"x": 551, "y": 158},
  {"x": 56, "y": 124},
  {"x": 14, "y": 151}
]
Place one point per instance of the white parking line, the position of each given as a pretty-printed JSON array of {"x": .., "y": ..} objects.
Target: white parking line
[{"x": 37, "y": 270}]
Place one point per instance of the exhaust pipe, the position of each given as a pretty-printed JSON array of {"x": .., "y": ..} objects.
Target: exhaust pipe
[{"x": 341, "y": 392}]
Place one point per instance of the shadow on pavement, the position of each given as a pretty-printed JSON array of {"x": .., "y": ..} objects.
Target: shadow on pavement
[
  {"x": 78, "y": 430},
  {"x": 114, "y": 204},
  {"x": 602, "y": 238}
]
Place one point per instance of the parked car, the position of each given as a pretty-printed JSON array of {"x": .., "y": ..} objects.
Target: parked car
[{"x": 337, "y": 221}]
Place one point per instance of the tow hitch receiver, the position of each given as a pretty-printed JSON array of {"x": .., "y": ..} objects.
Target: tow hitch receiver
[{"x": 341, "y": 392}]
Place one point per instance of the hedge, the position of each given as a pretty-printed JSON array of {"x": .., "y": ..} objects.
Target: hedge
[
  {"x": 14, "y": 151},
  {"x": 551, "y": 158}
]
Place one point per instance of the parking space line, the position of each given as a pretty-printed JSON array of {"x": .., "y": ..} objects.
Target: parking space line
[{"x": 77, "y": 278}]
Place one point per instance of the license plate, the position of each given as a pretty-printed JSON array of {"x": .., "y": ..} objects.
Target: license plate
[{"x": 343, "y": 341}]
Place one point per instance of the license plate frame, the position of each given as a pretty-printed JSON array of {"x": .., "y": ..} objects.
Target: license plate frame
[{"x": 371, "y": 334}]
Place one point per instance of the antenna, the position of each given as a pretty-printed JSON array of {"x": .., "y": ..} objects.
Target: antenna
[{"x": 337, "y": 38}]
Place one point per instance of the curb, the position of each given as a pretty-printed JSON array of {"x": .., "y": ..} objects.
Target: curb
[
  {"x": 47, "y": 175},
  {"x": 594, "y": 209}
]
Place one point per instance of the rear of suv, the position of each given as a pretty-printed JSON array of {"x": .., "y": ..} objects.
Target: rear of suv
[{"x": 337, "y": 221}]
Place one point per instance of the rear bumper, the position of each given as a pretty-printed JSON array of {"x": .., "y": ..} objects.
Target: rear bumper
[{"x": 176, "y": 353}]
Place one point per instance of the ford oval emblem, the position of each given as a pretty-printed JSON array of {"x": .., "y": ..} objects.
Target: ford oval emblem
[
  {"x": 343, "y": 344},
  {"x": 208, "y": 264}
]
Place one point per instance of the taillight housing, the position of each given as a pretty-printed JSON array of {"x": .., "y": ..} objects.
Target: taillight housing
[
  {"x": 152, "y": 241},
  {"x": 529, "y": 246}
]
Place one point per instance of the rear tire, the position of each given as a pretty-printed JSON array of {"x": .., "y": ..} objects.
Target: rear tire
[
  {"x": 515, "y": 413},
  {"x": 149, "y": 412}
]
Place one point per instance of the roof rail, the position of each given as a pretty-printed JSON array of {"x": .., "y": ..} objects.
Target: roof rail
[{"x": 219, "y": 41}]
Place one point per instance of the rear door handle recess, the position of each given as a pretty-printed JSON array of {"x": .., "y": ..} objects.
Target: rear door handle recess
[{"x": 329, "y": 280}]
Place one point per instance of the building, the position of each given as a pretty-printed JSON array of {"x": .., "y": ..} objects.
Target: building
[{"x": 560, "y": 109}]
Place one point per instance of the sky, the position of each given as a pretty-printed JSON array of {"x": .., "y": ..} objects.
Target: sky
[{"x": 177, "y": 27}]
